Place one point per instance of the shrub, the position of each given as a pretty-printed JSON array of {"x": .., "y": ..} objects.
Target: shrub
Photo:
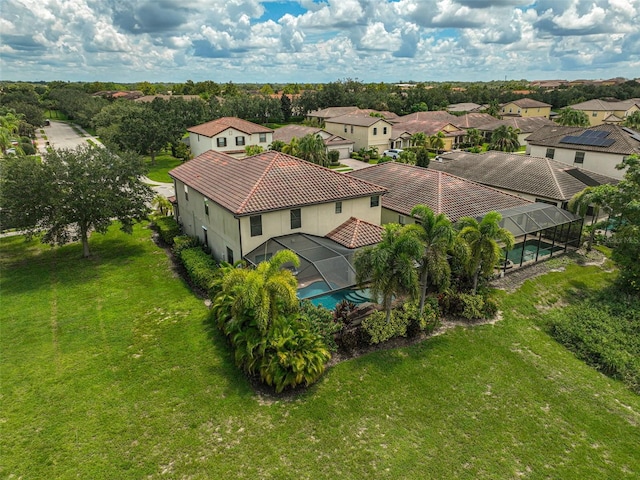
[
  {"x": 167, "y": 228},
  {"x": 490, "y": 308},
  {"x": 378, "y": 330},
  {"x": 200, "y": 266},
  {"x": 334, "y": 157},
  {"x": 417, "y": 323},
  {"x": 181, "y": 242},
  {"x": 465, "y": 305},
  {"x": 28, "y": 148},
  {"x": 472, "y": 306},
  {"x": 321, "y": 321},
  {"x": 293, "y": 355},
  {"x": 343, "y": 310}
]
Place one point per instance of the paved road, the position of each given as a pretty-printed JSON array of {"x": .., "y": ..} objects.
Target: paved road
[{"x": 63, "y": 135}]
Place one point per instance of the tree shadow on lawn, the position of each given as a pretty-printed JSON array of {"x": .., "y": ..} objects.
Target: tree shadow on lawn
[{"x": 64, "y": 265}]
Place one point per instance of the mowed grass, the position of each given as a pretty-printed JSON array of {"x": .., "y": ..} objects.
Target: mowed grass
[
  {"x": 159, "y": 172},
  {"x": 109, "y": 371}
]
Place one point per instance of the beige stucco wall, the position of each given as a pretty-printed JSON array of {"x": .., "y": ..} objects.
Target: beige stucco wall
[
  {"x": 513, "y": 109},
  {"x": 222, "y": 227},
  {"x": 200, "y": 143},
  {"x": 603, "y": 163},
  {"x": 316, "y": 220},
  {"x": 363, "y": 136}
]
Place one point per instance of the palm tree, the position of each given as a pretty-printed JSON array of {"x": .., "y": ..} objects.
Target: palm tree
[
  {"x": 390, "y": 265},
  {"x": 277, "y": 145},
  {"x": 419, "y": 139},
  {"x": 632, "y": 121},
  {"x": 475, "y": 137},
  {"x": 505, "y": 139},
  {"x": 266, "y": 291},
  {"x": 590, "y": 196},
  {"x": 291, "y": 148},
  {"x": 312, "y": 149},
  {"x": 482, "y": 238},
  {"x": 437, "y": 235},
  {"x": 572, "y": 118},
  {"x": 436, "y": 142}
]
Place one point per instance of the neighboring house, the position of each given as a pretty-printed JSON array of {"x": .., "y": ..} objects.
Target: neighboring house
[
  {"x": 526, "y": 126},
  {"x": 537, "y": 179},
  {"x": 525, "y": 107},
  {"x": 474, "y": 120},
  {"x": 332, "y": 112},
  {"x": 229, "y": 135},
  {"x": 333, "y": 142},
  {"x": 454, "y": 196},
  {"x": 605, "y": 111},
  {"x": 363, "y": 129},
  {"x": 596, "y": 149},
  {"x": 235, "y": 205},
  {"x": 151, "y": 98},
  {"x": 465, "y": 107},
  {"x": 402, "y": 133}
]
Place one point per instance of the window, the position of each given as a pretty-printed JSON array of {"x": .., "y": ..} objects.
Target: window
[
  {"x": 256, "y": 225},
  {"x": 594, "y": 114},
  {"x": 345, "y": 129},
  {"x": 375, "y": 200},
  {"x": 384, "y": 130},
  {"x": 186, "y": 193},
  {"x": 206, "y": 237},
  {"x": 579, "y": 157},
  {"x": 229, "y": 255},
  {"x": 402, "y": 220},
  {"x": 550, "y": 152},
  {"x": 296, "y": 218},
  {"x": 338, "y": 207},
  {"x": 239, "y": 141},
  {"x": 351, "y": 128},
  {"x": 263, "y": 138},
  {"x": 222, "y": 142},
  {"x": 375, "y": 130},
  {"x": 206, "y": 207}
]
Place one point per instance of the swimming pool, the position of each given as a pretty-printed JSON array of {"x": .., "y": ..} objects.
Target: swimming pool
[
  {"x": 314, "y": 292},
  {"x": 530, "y": 248}
]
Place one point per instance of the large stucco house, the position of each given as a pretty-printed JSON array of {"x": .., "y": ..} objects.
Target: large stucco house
[
  {"x": 596, "y": 149},
  {"x": 234, "y": 205},
  {"x": 525, "y": 107},
  {"x": 365, "y": 130},
  {"x": 607, "y": 111},
  {"x": 342, "y": 145},
  {"x": 229, "y": 135}
]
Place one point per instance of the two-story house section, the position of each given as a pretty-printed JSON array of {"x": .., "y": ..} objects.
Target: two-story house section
[
  {"x": 230, "y": 135},
  {"x": 234, "y": 205},
  {"x": 366, "y": 131},
  {"x": 606, "y": 111},
  {"x": 525, "y": 107},
  {"x": 596, "y": 149}
]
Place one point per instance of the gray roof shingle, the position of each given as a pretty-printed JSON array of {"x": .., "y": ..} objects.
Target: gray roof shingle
[{"x": 551, "y": 136}]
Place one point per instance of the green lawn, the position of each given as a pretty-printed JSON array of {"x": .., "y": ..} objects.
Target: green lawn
[
  {"x": 109, "y": 371},
  {"x": 159, "y": 171}
]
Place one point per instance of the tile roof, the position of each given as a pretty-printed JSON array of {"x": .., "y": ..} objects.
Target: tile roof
[
  {"x": 551, "y": 136},
  {"x": 537, "y": 176},
  {"x": 597, "y": 104},
  {"x": 360, "y": 119},
  {"x": 528, "y": 103},
  {"x": 428, "y": 127},
  {"x": 474, "y": 120},
  {"x": 333, "y": 112},
  {"x": 288, "y": 132},
  {"x": 436, "y": 115},
  {"x": 356, "y": 233},
  {"x": 268, "y": 181},
  {"x": 464, "y": 107},
  {"x": 151, "y": 98},
  {"x": 524, "y": 124},
  {"x": 454, "y": 196},
  {"x": 214, "y": 127}
]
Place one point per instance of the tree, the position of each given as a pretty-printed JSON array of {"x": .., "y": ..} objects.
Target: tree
[
  {"x": 632, "y": 121},
  {"x": 590, "y": 197},
  {"x": 407, "y": 156},
  {"x": 572, "y": 118},
  {"x": 145, "y": 132},
  {"x": 390, "y": 265},
  {"x": 475, "y": 137},
  {"x": 505, "y": 139},
  {"x": 251, "y": 150},
  {"x": 285, "y": 106},
  {"x": 9, "y": 125},
  {"x": 422, "y": 157},
  {"x": 419, "y": 139},
  {"x": 482, "y": 238},
  {"x": 313, "y": 149},
  {"x": 265, "y": 292},
  {"x": 291, "y": 148},
  {"x": 277, "y": 145},
  {"x": 436, "y": 141},
  {"x": 437, "y": 235},
  {"x": 73, "y": 192}
]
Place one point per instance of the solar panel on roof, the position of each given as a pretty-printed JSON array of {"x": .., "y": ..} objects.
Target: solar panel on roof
[{"x": 587, "y": 140}]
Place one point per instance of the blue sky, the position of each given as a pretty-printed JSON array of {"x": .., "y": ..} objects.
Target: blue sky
[{"x": 306, "y": 41}]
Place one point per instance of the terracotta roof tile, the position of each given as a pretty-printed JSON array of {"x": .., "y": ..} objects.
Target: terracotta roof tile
[
  {"x": 356, "y": 233},
  {"x": 528, "y": 103},
  {"x": 524, "y": 124},
  {"x": 537, "y": 176},
  {"x": 473, "y": 120},
  {"x": 267, "y": 181},
  {"x": 214, "y": 127},
  {"x": 456, "y": 197}
]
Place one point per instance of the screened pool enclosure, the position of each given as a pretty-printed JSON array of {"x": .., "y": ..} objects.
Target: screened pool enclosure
[
  {"x": 541, "y": 230},
  {"x": 325, "y": 266}
]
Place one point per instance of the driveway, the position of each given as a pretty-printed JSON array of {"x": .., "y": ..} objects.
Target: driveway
[{"x": 355, "y": 164}]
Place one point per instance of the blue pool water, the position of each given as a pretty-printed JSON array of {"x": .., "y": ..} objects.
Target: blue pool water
[{"x": 315, "y": 290}]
